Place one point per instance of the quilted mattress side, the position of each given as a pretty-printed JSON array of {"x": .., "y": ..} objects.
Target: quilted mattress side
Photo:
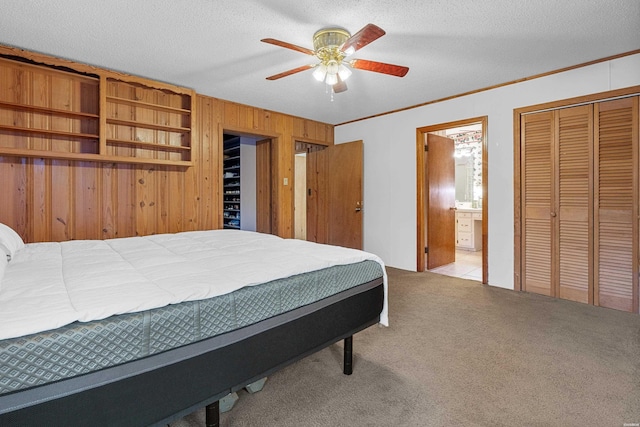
[{"x": 80, "y": 348}]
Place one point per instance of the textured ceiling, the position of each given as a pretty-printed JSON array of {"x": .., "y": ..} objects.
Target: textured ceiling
[{"x": 450, "y": 46}]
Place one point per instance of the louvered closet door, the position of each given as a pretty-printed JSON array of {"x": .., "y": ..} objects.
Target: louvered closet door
[
  {"x": 574, "y": 136},
  {"x": 537, "y": 202},
  {"x": 616, "y": 204}
]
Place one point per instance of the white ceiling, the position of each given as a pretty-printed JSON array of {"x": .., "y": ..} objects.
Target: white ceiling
[{"x": 213, "y": 46}]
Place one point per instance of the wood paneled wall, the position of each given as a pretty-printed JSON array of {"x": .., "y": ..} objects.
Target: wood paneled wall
[{"x": 57, "y": 200}]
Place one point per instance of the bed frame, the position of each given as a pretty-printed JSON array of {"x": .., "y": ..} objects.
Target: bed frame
[{"x": 179, "y": 381}]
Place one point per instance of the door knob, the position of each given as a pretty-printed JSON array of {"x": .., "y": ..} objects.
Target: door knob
[{"x": 358, "y": 206}]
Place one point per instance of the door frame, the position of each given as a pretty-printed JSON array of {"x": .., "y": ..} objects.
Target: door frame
[
  {"x": 421, "y": 190},
  {"x": 303, "y": 140},
  {"x": 249, "y": 133}
]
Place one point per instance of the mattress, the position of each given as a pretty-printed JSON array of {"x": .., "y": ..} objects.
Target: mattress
[
  {"x": 82, "y": 347},
  {"x": 49, "y": 285},
  {"x": 164, "y": 387}
]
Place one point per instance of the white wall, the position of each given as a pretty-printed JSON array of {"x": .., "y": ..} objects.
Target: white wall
[
  {"x": 248, "y": 184},
  {"x": 390, "y": 164}
]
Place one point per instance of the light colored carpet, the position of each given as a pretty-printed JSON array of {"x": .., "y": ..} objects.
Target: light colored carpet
[{"x": 460, "y": 353}]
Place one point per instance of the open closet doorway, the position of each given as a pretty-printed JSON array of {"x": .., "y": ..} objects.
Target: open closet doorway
[
  {"x": 452, "y": 199},
  {"x": 239, "y": 177},
  {"x": 247, "y": 181}
]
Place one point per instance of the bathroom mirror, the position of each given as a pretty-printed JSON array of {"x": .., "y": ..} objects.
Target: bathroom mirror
[
  {"x": 468, "y": 166},
  {"x": 464, "y": 179}
]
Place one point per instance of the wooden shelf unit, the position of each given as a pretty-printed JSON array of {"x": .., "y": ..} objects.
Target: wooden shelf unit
[
  {"x": 44, "y": 110},
  {"x": 48, "y": 112},
  {"x": 86, "y": 157},
  {"x": 150, "y": 145},
  {"x": 155, "y": 126},
  {"x": 145, "y": 122},
  {"x": 54, "y": 111},
  {"x": 49, "y": 132},
  {"x": 134, "y": 103}
]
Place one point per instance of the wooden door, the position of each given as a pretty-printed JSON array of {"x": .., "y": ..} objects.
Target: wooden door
[
  {"x": 556, "y": 187},
  {"x": 264, "y": 207},
  {"x": 580, "y": 194},
  {"x": 334, "y": 195},
  {"x": 344, "y": 179},
  {"x": 317, "y": 197},
  {"x": 537, "y": 169},
  {"x": 440, "y": 188},
  {"x": 616, "y": 204},
  {"x": 573, "y": 204}
]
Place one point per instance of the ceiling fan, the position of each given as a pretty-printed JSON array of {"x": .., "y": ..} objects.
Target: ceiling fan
[{"x": 332, "y": 46}]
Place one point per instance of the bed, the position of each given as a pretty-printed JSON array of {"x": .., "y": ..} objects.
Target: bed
[{"x": 144, "y": 330}]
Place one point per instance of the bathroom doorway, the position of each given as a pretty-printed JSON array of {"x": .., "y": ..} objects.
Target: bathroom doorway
[{"x": 466, "y": 209}]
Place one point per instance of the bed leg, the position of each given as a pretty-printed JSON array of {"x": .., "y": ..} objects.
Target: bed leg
[
  {"x": 212, "y": 414},
  {"x": 348, "y": 355}
]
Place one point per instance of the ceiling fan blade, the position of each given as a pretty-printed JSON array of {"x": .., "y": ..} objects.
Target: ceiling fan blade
[
  {"x": 288, "y": 73},
  {"x": 366, "y": 35},
  {"x": 379, "y": 67},
  {"x": 289, "y": 46},
  {"x": 341, "y": 86}
]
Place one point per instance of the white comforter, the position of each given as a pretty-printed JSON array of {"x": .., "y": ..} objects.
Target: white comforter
[{"x": 48, "y": 285}]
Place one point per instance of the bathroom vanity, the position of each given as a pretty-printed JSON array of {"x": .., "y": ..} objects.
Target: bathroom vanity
[{"x": 469, "y": 229}]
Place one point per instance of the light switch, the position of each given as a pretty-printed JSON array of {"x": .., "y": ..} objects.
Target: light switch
[{"x": 286, "y": 181}]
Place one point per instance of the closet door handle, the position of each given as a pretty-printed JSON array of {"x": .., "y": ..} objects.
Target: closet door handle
[{"x": 553, "y": 214}]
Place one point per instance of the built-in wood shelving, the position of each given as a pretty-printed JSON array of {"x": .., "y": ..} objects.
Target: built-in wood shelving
[
  {"x": 86, "y": 157},
  {"x": 155, "y": 126},
  {"x": 47, "y": 110},
  {"x": 49, "y": 132},
  {"x": 148, "y": 105},
  {"x": 143, "y": 121},
  {"x": 151, "y": 145},
  {"x": 92, "y": 117}
]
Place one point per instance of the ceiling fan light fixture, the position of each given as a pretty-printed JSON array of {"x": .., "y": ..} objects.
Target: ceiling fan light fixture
[
  {"x": 320, "y": 72},
  {"x": 344, "y": 72},
  {"x": 331, "y": 79},
  {"x": 332, "y": 67},
  {"x": 331, "y": 48}
]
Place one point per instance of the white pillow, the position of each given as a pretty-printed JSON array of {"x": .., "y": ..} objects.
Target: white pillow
[
  {"x": 10, "y": 241},
  {"x": 3, "y": 266},
  {"x": 5, "y": 251}
]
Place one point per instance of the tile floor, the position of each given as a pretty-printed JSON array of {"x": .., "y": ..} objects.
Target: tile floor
[{"x": 468, "y": 265}]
